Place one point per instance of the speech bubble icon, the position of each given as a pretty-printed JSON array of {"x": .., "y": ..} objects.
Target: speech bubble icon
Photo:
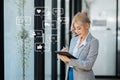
[
  {"x": 40, "y": 11},
  {"x": 23, "y": 20},
  {"x": 46, "y": 24},
  {"x": 55, "y": 11},
  {"x": 39, "y": 47},
  {"x": 64, "y": 20}
]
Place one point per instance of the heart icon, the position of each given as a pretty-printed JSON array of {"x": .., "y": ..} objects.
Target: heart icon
[{"x": 38, "y": 10}]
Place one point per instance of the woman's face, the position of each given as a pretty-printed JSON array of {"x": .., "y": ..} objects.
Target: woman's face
[{"x": 81, "y": 29}]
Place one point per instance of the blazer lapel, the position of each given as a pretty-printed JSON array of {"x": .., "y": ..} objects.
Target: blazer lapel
[{"x": 89, "y": 37}]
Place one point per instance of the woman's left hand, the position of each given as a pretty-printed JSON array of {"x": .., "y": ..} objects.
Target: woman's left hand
[{"x": 64, "y": 58}]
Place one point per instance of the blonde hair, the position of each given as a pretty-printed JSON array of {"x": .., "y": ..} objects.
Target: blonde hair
[{"x": 80, "y": 17}]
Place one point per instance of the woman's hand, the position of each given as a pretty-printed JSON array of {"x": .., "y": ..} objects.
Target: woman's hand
[
  {"x": 64, "y": 58},
  {"x": 64, "y": 49}
]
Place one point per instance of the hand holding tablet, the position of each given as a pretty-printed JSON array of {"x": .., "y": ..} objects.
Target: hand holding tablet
[{"x": 65, "y": 54}]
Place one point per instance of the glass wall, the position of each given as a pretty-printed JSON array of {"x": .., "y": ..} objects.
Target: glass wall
[{"x": 18, "y": 39}]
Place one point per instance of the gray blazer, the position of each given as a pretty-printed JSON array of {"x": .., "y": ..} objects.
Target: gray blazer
[{"x": 82, "y": 67}]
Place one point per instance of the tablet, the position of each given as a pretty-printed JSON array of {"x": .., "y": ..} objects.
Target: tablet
[{"x": 65, "y": 54}]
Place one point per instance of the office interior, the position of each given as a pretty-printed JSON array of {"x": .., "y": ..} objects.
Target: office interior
[{"x": 32, "y": 30}]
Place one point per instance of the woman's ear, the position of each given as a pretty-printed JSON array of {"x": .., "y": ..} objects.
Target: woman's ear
[{"x": 87, "y": 25}]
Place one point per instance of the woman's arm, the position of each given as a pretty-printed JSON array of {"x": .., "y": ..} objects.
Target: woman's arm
[{"x": 87, "y": 64}]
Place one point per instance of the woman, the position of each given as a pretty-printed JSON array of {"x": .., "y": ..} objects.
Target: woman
[{"x": 84, "y": 47}]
